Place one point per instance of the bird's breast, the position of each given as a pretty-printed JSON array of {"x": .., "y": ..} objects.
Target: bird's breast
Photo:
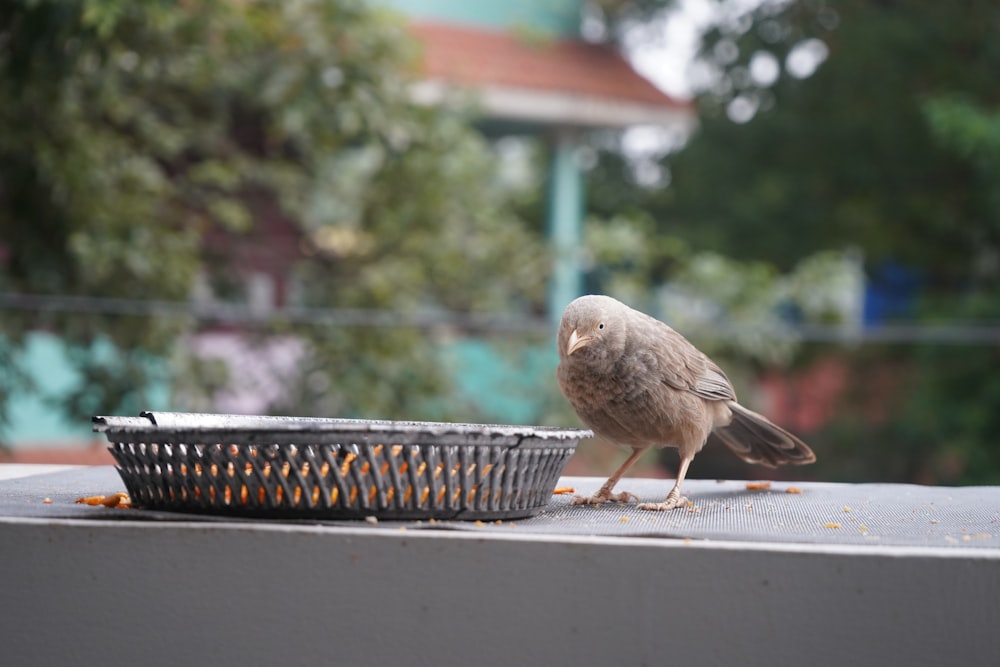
[{"x": 633, "y": 409}]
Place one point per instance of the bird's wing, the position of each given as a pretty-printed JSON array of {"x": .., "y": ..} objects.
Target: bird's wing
[
  {"x": 683, "y": 366},
  {"x": 713, "y": 384}
]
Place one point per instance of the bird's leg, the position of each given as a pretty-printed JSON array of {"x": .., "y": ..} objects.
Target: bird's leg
[
  {"x": 674, "y": 498},
  {"x": 604, "y": 494}
]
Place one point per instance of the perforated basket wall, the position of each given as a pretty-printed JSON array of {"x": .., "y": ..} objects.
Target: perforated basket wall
[{"x": 336, "y": 468}]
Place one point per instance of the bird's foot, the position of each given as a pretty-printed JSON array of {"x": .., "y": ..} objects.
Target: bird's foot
[
  {"x": 673, "y": 501},
  {"x": 603, "y": 496}
]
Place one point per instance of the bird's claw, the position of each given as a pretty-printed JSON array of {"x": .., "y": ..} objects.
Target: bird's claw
[
  {"x": 600, "y": 498},
  {"x": 672, "y": 502}
]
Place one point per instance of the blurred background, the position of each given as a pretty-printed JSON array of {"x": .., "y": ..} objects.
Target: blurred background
[{"x": 379, "y": 209}]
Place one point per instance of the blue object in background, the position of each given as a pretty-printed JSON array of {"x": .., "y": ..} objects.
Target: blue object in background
[{"x": 890, "y": 293}]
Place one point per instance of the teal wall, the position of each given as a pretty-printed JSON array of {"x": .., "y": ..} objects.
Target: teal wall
[
  {"x": 501, "y": 383},
  {"x": 560, "y": 17},
  {"x": 33, "y": 420}
]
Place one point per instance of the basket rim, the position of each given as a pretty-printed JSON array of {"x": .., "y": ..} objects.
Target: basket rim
[{"x": 214, "y": 424}]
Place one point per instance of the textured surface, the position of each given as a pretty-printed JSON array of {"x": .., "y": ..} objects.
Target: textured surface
[
  {"x": 836, "y": 514},
  {"x": 824, "y": 513}
]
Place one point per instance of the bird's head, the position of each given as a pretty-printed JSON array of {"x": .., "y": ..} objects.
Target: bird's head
[{"x": 593, "y": 329}]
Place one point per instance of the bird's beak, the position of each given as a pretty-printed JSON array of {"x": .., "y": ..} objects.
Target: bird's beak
[{"x": 576, "y": 341}]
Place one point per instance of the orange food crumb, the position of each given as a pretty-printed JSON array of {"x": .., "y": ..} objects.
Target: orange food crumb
[
  {"x": 831, "y": 524},
  {"x": 559, "y": 490},
  {"x": 114, "y": 500},
  {"x": 345, "y": 467},
  {"x": 793, "y": 489},
  {"x": 758, "y": 486}
]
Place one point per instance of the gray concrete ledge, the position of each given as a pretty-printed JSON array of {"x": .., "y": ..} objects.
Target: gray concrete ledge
[{"x": 96, "y": 589}]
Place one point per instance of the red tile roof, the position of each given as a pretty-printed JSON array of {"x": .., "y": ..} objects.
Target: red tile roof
[{"x": 476, "y": 57}]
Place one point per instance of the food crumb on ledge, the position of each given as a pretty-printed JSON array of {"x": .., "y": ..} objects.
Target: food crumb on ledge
[
  {"x": 114, "y": 500},
  {"x": 758, "y": 486}
]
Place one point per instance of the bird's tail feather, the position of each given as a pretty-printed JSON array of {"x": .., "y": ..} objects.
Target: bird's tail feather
[{"x": 756, "y": 439}]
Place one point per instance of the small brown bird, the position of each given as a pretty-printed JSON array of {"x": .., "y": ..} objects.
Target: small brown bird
[{"x": 639, "y": 384}]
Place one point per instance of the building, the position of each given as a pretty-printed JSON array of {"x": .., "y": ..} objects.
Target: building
[{"x": 529, "y": 71}]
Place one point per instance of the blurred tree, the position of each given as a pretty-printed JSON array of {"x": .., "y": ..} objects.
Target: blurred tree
[
  {"x": 130, "y": 133},
  {"x": 815, "y": 136},
  {"x": 956, "y": 401},
  {"x": 861, "y": 123}
]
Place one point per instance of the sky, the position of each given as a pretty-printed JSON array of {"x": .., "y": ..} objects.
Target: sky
[{"x": 663, "y": 51}]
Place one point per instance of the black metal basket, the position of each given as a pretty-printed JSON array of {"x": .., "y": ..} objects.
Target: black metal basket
[{"x": 311, "y": 468}]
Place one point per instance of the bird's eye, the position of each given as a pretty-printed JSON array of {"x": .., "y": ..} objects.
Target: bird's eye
[{"x": 601, "y": 325}]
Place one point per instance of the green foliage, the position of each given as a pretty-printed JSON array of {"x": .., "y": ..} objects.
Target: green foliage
[
  {"x": 732, "y": 307},
  {"x": 846, "y": 156},
  {"x": 132, "y": 133},
  {"x": 972, "y": 132},
  {"x": 891, "y": 146}
]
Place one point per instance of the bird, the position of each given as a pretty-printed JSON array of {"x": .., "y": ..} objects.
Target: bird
[{"x": 638, "y": 383}]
